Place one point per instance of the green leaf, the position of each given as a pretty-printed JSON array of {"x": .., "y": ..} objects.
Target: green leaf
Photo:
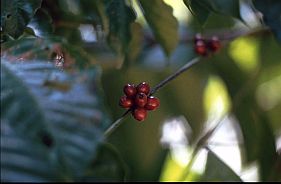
[
  {"x": 202, "y": 9},
  {"x": 107, "y": 166},
  {"x": 135, "y": 45},
  {"x": 164, "y": 25},
  {"x": 120, "y": 18},
  {"x": 217, "y": 170},
  {"x": 23, "y": 160},
  {"x": 199, "y": 9},
  {"x": 69, "y": 106},
  {"x": 41, "y": 23},
  {"x": 14, "y": 96},
  {"x": 271, "y": 10},
  {"x": 16, "y": 14}
]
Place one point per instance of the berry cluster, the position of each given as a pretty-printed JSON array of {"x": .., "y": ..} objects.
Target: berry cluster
[
  {"x": 137, "y": 99},
  {"x": 204, "y": 46}
]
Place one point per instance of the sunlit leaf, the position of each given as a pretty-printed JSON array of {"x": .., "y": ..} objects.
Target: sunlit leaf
[
  {"x": 201, "y": 9},
  {"x": 164, "y": 25},
  {"x": 217, "y": 170},
  {"x": 135, "y": 45},
  {"x": 41, "y": 23}
]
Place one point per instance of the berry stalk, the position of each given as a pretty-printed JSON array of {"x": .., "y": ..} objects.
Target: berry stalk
[
  {"x": 116, "y": 124},
  {"x": 174, "y": 75}
]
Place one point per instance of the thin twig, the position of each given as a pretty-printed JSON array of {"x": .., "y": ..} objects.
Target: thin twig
[
  {"x": 115, "y": 124},
  {"x": 174, "y": 75},
  {"x": 200, "y": 144}
]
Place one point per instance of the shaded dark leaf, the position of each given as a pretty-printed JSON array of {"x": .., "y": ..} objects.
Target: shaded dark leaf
[
  {"x": 16, "y": 14},
  {"x": 271, "y": 10},
  {"x": 107, "y": 166},
  {"x": 120, "y": 18}
]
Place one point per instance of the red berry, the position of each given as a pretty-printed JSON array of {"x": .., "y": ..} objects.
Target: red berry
[
  {"x": 139, "y": 114},
  {"x": 198, "y": 37},
  {"x": 214, "y": 44},
  {"x": 143, "y": 88},
  {"x": 152, "y": 103},
  {"x": 201, "y": 48},
  {"x": 130, "y": 90},
  {"x": 125, "y": 102},
  {"x": 141, "y": 99}
]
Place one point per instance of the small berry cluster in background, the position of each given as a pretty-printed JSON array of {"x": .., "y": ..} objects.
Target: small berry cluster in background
[
  {"x": 204, "y": 46},
  {"x": 138, "y": 100}
]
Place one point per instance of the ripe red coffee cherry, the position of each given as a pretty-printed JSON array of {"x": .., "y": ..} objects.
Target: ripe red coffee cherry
[
  {"x": 143, "y": 88},
  {"x": 139, "y": 114},
  {"x": 125, "y": 102},
  {"x": 152, "y": 103},
  {"x": 201, "y": 48},
  {"x": 130, "y": 90},
  {"x": 140, "y": 99},
  {"x": 214, "y": 44}
]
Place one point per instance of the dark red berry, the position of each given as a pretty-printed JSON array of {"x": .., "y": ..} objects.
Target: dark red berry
[
  {"x": 139, "y": 114},
  {"x": 125, "y": 102},
  {"x": 140, "y": 99},
  {"x": 152, "y": 103},
  {"x": 130, "y": 90},
  {"x": 201, "y": 48},
  {"x": 214, "y": 44},
  {"x": 198, "y": 37},
  {"x": 143, "y": 88}
]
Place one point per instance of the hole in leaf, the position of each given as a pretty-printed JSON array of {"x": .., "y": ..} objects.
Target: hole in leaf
[
  {"x": 47, "y": 140},
  {"x": 9, "y": 16}
]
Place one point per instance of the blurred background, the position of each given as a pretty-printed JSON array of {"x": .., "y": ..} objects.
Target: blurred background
[{"x": 248, "y": 67}]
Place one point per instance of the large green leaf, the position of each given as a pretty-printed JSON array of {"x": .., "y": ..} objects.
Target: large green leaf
[
  {"x": 202, "y": 9},
  {"x": 164, "y": 25},
  {"x": 217, "y": 170},
  {"x": 16, "y": 14},
  {"x": 67, "y": 106},
  {"x": 271, "y": 10},
  {"x": 23, "y": 160}
]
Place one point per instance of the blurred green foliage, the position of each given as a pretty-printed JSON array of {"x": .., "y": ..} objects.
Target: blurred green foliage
[{"x": 64, "y": 64}]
